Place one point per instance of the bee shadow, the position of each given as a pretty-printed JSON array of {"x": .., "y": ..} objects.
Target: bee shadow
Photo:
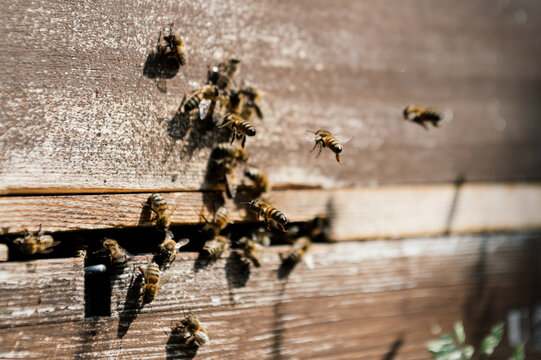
[
  {"x": 160, "y": 66},
  {"x": 132, "y": 306},
  {"x": 237, "y": 271},
  {"x": 178, "y": 348},
  {"x": 285, "y": 269},
  {"x": 393, "y": 350},
  {"x": 145, "y": 217}
]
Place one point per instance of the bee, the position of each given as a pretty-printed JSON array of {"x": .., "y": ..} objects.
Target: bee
[
  {"x": 175, "y": 47},
  {"x": 81, "y": 252},
  {"x": 163, "y": 216},
  {"x": 250, "y": 250},
  {"x": 191, "y": 326},
  {"x": 269, "y": 212},
  {"x": 250, "y": 105},
  {"x": 234, "y": 103},
  {"x": 168, "y": 249},
  {"x": 215, "y": 247},
  {"x": 117, "y": 255},
  {"x": 218, "y": 223},
  {"x": 226, "y": 168},
  {"x": 228, "y": 70},
  {"x": 241, "y": 128},
  {"x": 421, "y": 115},
  {"x": 207, "y": 92},
  {"x": 261, "y": 237},
  {"x": 297, "y": 252},
  {"x": 152, "y": 280},
  {"x": 228, "y": 150},
  {"x": 260, "y": 179},
  {"x": 325, "y": 139},
  {"x": 36, "y": 243}
]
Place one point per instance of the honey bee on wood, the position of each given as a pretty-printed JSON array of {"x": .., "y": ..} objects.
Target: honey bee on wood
[
  {"x": 175, "y": 47},
  {"x": 218, "y": 223},
  {"x": 297, "y": 252},
  {"x": 240, "y": 127},
  {"x": 117, "y": 255},
  {"x": 81, "y": 252},
  {"x": 325, "y": 139},
  {"x": 207, "y": 92},
  {"x": 214, "y": 248},
  {"x": 250, "y": 250},
  {"x": 229, "y": 150},
  {"x": 226, "y": 168},
  {"x": 192, "y": 330},
  {"x": 269, "y": 213},
  {"x": 250, "y": 105},
  {"x": 37, "y": 243},
  {"x": 168, "y": 249},
  {"x": 422, "y": 115},
  {"x": 152, "y": 280},
  {"x": 260, "y": 179},
  {"x": 157, "y": 204},
  {"x": 227, "y": 71}
]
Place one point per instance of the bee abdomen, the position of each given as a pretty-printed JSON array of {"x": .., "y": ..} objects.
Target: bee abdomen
[
  {"x": 247, "y": 128},
  {"x": 182, "y": 57},
  {"x": 431, "y": 115},
  {"x": 277, "y": 216},
  {"x": 192, "y": 103},
  {"x": 334, "y": 145}
]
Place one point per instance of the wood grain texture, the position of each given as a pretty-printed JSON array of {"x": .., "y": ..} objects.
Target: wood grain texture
[
  {"x": 41, "y": 292},
  {"x": 358, "y": 300},
  {"x": 350, "y": 68},
  {"x": 3, "y": 252},
  {"x": 385, "y": 211}
]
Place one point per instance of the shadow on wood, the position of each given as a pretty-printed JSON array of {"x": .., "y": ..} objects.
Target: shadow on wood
[
  {"x": 177, "y": 347},
  {"x": 132, "y": 306},
  {"x": 390, "y": 355}
]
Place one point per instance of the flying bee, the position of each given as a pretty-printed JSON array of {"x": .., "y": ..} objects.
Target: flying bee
[
  {"x": 214, "y": 248},
  {"x": 234, "y": 102},
  {"x": 240, "y": 127},
  {"x": 228, "y": 150},
  {"x": 248, "y": 108},
  {"x": 207, "y": 92},
  {"x": 269, "y": 212},
  {"x": 117, "y": 255},
  {"x": 421, "y": 115},
  {"x": 218, "y": 223},
  {"x": 157, "y": 204},
  {"x": 226, "y": 168},
  {"x": 175, "y": 47},
  {"x": 325, "y": 139},
  {"x": 297, "y": 252},
  {"x": 36, "y": 243},
  {"x": 228, "y": 70},
  {"x": 168, "y": 249},
  {"x": 152, "y": 280},
  {"x": 250, "y": 250},
  {"x": 261, "y": 237},
  {"x": 191, "y": 327},
  {"x": 260, "y": 179}
]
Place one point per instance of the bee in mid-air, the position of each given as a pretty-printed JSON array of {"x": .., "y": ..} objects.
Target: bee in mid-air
[
  {"x": 233, "y": 103},
  {"x": 218, "y": 223},
  {"x": 227, "y": 71},
  {"x": 250, "y": 105},
  {"x": 152, "y": 279},
  {"x": 174, "y": 48},
  {"x": 260, "y": 179},
  {"x": 297, "y": 252},
  {"x": 250, "y": 250},
  {"x": 192, "y": 330},
  {"x": 325, "y": 139},
  {"x": 233, "y": 151},
  {"x": 157, "y": 204},
  {"x": 240, "y": 127},
  {"x": 36, "y": 243},
  {"x": 214, "y": 248},
  {"x": 421, "y": 115},
  {"x": 168, "y": 249},
  {"x": 117, "y": 255},
  {"x": 269, "y": 212}
]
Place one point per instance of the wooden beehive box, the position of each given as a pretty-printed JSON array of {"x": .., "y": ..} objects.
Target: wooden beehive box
[{"x": 426, "y": 227}]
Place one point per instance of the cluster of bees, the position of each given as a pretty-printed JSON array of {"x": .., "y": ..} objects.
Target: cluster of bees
[{"x": 239, "y": 106}]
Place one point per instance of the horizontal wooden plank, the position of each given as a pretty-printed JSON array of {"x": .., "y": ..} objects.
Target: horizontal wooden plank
[
  {"x": 357, "y": 300},
  {"x": 83, "y": 116},
  {"x": 3, "y": 252},
  {"x": 386, "y": 211},
  {"x": 41, "y": 292}
]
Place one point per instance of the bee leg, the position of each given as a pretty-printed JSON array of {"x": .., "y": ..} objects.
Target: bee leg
[
  {"x": 315, "y": 145},
  {"x": 282, "y": 227},
  {"x": 338, "y": 158},
  {"x": 243, "y": 140},
  {"x": 319, "y": 152},
  {"x": 435, "y": 123}
]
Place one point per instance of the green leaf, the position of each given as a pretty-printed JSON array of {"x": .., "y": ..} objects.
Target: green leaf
[
  {"x": 492, "y": 340},
  {"x": 518, "y": 354},
  {"x": 467, "y": 352},
  {"x": 460, "y": 335},
  {"x": 441, "y": 346}
]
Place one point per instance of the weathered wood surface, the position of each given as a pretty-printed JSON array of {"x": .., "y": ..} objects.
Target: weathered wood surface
[
  {"x": 41, "y": 292},
  {"x": 3, "y": 252},
  {"x": 385, "y": 211},
  {"x": 358, "y": 300},
  {"x": 79, "y": 115}
]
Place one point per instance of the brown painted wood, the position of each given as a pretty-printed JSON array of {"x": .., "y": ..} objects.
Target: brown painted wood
[
  {"x": 359, "y": 299},
  {"x": 41, "y": 292},
  {"x": 78, "y": 114},
  {"x": 386, "y": 211},
  {"x": 3, "y": 252}
]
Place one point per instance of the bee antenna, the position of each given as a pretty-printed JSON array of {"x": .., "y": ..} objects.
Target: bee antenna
[{"x": 310, "y": 131}]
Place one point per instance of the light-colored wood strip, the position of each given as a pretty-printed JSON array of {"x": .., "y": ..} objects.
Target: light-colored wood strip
[
  {"x": 41, "y": 292},
  {"x": 359, "y": 213},
  {"x": 3, "y": 252}
]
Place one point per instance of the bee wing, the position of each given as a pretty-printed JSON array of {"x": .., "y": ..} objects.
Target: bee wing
[
  {"x": 161, "y": 84},
  {"x": 202, "y": 338},
  {"x": 309, "y": 260},
  {"x": 230, "y": 186},
  {"x": 181, "y": 243},
  {"x": 204, "y": 107},
  {"x": 309, "y": 136}
]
